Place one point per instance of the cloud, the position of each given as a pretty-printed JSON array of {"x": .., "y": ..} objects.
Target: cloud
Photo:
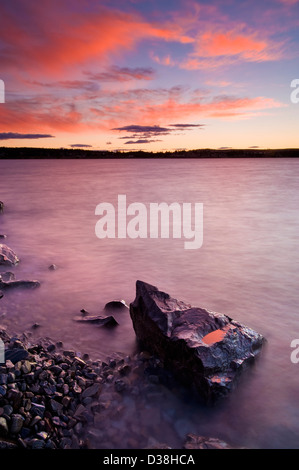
[
  {"x": 86, "y": 85},
  {"x": 141, "y": 141},
  {"x": 144, "y": 133},
  {"x": 15, "y": 135},
  {"x": 152, "y": 130},
  {"x": 123, "y": 74},
  {"x": 80, "y": 146},
  {"x": 186, "y": 126},
  {"x": 56, "y": 37}
]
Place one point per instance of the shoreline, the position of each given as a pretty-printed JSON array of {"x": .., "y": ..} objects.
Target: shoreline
[
  {"x": 52, "y": 399},
  {"x": 32, "y": 153}
]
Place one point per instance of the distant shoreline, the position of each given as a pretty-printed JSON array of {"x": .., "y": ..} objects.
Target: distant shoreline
[{"x": 24, "y": 153}]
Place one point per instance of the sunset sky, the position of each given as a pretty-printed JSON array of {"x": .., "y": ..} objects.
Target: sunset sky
[{"x": 150, "y": 75}]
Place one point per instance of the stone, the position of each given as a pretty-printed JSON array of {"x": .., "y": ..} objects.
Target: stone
[
  {"x": 3, "y": 427},
  {"x": 16, "y": 423},
  {"x": 19, "y": 283},
  {"x": 116, "y": 305},
  {"x": 56, "y": 407},
  {"x": 204, "y": 349},
  {"x": 199, "y": 442},
  {"x": 52, "y": 267},
  {"x": 1, "y": 207},
  {"x": 7, "y": 276},
  {"x": 38, "y": 409},
  {"x": 98, "y": 320},
  {"x": 16, "y": 354},
  {"x": 91, "y": 391},
  {"x": 7, "y": 256}
]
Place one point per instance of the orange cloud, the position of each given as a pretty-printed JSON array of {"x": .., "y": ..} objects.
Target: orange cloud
[
  {"x": 71, "y": 39},
  {"x": 216, "y": 49}
]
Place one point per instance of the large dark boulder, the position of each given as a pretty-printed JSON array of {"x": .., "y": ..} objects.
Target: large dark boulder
[{"x": 205, "y": 350}]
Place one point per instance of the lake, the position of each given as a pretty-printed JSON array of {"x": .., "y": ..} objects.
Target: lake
[{"x": 247, "y": 268}]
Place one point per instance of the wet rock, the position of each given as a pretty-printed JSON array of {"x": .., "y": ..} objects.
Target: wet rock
[
  {"x": 1, "y": 207},
  {"x": 117, "y": 305},
  {"x": 98, "y": 320},
  {"x": 120, "y": 385},
  {"x": 199, "y": 442},
  {"x": 7, "y": 256},
  {"x": 91, "y": 391},
  {"x": 204, "y": 349},
  {"x": 19, "y": 283},
  {"x": 1, "y": 294},
  {"x": 7, "y": 276},
  {"x": 52, "y": 267}
]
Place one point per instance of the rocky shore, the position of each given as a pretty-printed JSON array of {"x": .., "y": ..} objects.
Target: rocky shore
[{"x": 50, "y": 398}]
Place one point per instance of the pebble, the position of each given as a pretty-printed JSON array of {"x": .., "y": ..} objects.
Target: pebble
[
  {"x": 3, "y": 427},
  {"x": 16, "y": 424}
]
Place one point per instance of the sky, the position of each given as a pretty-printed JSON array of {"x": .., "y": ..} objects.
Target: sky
[{"x": 149, "y": 75}]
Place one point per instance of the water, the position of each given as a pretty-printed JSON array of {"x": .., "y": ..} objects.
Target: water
[{"x": 246, "y": 268}]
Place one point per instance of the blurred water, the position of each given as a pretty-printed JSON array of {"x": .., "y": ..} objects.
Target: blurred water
[{"x": 246, "y": 268}]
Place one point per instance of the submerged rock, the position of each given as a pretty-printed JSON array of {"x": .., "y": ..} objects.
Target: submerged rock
[
  {"x": 205, "y": 350},
  {"x": 98, "y": 320},
  {"x": 116, "y": 305},
  {"x": 52, "y": 267},
  {"x": 20, "y": 283},
  {"x": 7, "y": 276},
  {"x": 7, "y": 256}
]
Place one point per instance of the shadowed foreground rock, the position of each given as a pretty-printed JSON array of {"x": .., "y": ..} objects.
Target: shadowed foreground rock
[{"x": 205, "y": 350}]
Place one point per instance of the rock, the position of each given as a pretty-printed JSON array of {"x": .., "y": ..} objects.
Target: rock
[
  {"x": 16, "y": 423},
  {"x": 116, "y": 305},
  {"x": 98, "y": 320},
  {"x": 204, "y": 349},
  {"x": 1, "y": 294},
  {"x": 53, "y": 267},
  {"x": 91, "y": 391},
  {"x": 7, "y": 276},
  {"x": 7, "y": 444},
  {"x": 38, "y": 409},
  {"x": 56, "y": 407},
  {"x": 7, "y": 256},
  {"x": 3, "y": 236},
  {"x": 1, "y": 207},
  {"x": 199, "y": 442},
  {"x": 3, "y": 427},
  {"x": 20, "y": 283},
  {"x": 15, "y": 355}
]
